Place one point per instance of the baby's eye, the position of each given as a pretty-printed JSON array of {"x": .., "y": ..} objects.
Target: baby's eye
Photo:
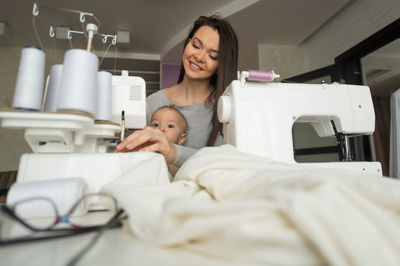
[
  {"x": 171, "y": 126},
  {"x": 155, "y": 124}
]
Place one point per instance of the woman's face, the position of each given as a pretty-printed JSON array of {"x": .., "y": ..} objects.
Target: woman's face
[{"x": 200, "y": 57}]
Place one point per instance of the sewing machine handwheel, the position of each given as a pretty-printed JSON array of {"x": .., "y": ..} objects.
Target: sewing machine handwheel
[{"x": 224, "y": 109}]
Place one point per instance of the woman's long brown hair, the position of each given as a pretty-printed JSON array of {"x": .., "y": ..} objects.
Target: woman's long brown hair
[{"x": 227, "y": 64}]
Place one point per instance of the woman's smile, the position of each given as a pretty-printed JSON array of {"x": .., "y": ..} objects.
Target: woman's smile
[{"x": 194, "y": 66}]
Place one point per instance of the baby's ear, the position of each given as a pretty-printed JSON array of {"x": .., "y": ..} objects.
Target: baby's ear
[{"x": 182, "y": 139}]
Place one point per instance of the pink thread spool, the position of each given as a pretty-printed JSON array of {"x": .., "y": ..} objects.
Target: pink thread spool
[{"x": 263, "y": 76}]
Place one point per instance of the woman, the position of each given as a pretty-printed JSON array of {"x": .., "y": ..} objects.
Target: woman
[{"x": 209, "y": 64}]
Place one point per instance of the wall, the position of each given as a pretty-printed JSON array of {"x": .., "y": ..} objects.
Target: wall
[
  {"x": 359, "y": 20},
  {"x": 356, "y": 22},
  {"x": 285, "y": 60},
  {"x": 169, "y": 75},
  {"x": 8, "y": 72},
  {"x": 12, "y": 142},
  {"x": 249, "y": 60}
]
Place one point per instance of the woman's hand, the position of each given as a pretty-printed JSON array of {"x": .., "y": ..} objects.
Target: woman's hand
[{"x": 149, "y": 139}]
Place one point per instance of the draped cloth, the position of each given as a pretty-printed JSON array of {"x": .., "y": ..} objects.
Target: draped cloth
[{"x": 255, "y": 211}]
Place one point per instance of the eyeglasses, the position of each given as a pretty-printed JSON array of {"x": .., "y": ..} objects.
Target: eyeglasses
[
  {"x": 78, "y": 224},
  {"x": 41, "y": 216}
]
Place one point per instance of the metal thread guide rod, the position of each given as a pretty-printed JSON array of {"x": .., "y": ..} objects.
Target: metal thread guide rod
[{"x": 122, "y": 125}]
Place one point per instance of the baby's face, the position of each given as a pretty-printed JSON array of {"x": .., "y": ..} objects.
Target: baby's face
[{"x": 171, "y": 124}]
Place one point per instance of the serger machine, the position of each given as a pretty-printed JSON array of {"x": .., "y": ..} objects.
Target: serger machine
[
  {"x": 73, "y": 144},
  {"x": 258, "y": 117},
  {"x": 71, "y": 131}
]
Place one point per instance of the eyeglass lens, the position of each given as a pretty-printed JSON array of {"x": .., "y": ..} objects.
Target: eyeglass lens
[{"x": 42, "y": 214}]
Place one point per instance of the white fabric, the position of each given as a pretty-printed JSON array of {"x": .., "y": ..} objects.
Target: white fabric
[
  {"x": 394, "y": 159},
  {"x": 249, "y": 209},
  {"x": 63, "y": 192}
]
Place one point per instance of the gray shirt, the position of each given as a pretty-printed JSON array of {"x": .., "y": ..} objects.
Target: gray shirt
[{"x": 199, "y": 126}]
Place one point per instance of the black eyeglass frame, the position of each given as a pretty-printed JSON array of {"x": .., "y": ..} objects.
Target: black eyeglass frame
[{"x": 114, "y": 222}]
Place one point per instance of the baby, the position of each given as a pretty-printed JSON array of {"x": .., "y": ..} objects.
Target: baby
[
  {"x": 173, "y": 125},
  {"x": 171, "y": 122}
]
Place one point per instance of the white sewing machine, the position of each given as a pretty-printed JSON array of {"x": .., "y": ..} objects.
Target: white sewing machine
[
  {"x": 258, "y": 117},
  {"x": 74, "y": 145}
]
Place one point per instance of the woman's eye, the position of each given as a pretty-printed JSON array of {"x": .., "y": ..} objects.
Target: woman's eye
[
  {"x": 171, "y": 126},
  {"x": 155, "y": 125},
  {"x": 213, "y": 57},
  {"x": 195, "y": 45}
]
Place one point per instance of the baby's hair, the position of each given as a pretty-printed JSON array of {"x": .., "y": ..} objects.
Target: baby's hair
[{"x": 173, "y": 108}]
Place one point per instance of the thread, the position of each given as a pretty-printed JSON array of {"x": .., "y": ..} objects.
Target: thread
[
  {"x": 104, "y": 96},
  {"x": 53, "y": 88},
  {"x": 78, "y": 82},
  {"x": 29, "y": 86},
  {"x": 265, "y": 76}
]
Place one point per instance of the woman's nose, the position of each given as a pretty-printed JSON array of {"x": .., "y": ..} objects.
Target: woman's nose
[{"x": 200, "y": 56}]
